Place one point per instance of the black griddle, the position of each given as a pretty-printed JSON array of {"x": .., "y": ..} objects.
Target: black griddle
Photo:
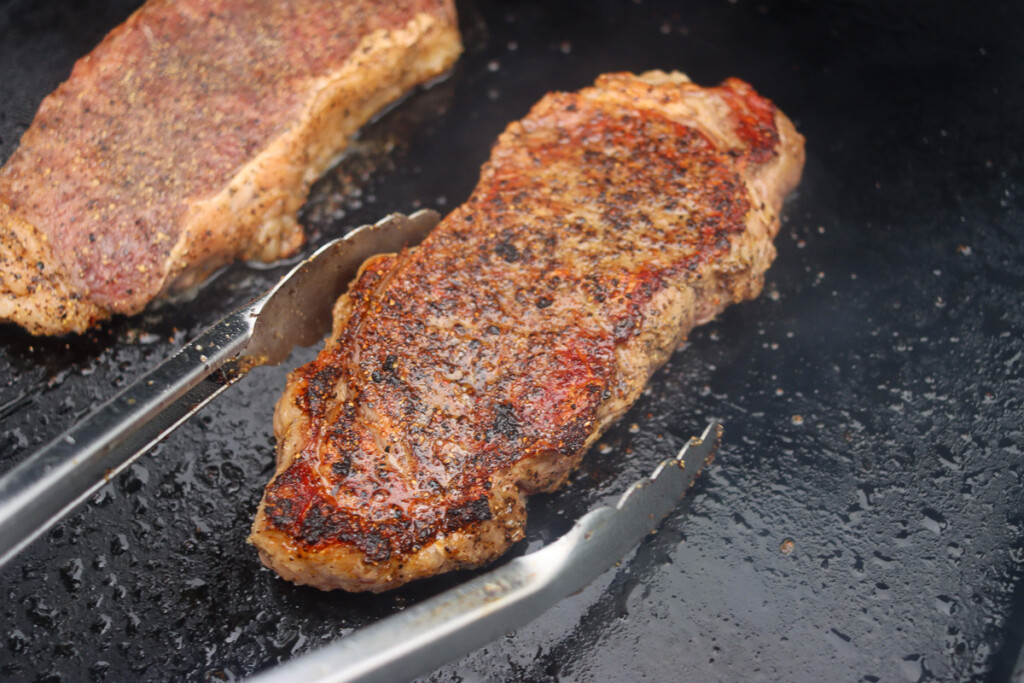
[{"x": 864, "y": 520}]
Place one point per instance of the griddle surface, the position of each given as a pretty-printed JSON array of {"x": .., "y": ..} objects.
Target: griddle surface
[{"x": 872, "y": 397}]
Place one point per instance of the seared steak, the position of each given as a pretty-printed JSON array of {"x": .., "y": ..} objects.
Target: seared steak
[
  {"x": 190, "y": 137},
  {"x": 478, "y": 368}
]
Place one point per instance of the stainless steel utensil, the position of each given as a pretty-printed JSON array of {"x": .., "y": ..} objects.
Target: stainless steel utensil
[
  {"x": 437, "y": 630},
  {"x": 49, "y": 484},
  {"x": 43, "y": 489}
]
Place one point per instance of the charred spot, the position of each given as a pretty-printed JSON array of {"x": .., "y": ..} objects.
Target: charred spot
[
  {"x": 478, "y": 510},
  {"x": 507, "y": 251},
  {"x": 342, "y": 467},
  {"x": 340, "y": 433},
  {"x": 505, "y": 422},
  {"x": 317, "y": 525},
  {"x": 376, "y": 547},
  {"x": 544, "y": 302},
  {"x": 423, "y": 530},
  {"x": 388, "y": 373},
  {"x": 493, "y": 329},
  {"x": 576, "y": 435},
  {"x": 624, "y": 329},
  {"x": 280, "y": 512},
  {"x": 319, "y": 388}
]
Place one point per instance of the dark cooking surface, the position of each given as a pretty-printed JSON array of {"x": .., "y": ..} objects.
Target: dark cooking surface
[{"x": 872, "y": 397}]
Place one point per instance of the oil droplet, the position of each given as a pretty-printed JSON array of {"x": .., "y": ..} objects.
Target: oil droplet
[
  {"x": 911, "y": 667},
  {"x": 787, "y": 545},
  {"x": 798, "y": 419},
  {"x": 71, "y": 574},
  {"x": 933, "y": 521},
  {"x": 17, "y": 641},
  {"x": 945, "y": 605}
]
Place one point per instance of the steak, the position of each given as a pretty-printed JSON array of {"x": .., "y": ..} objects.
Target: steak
[
  {"x": 190, "y": 137},
  {"x": 478, "y": 368}
]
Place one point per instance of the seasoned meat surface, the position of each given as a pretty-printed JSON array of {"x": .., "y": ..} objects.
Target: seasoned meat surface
[
  {"x": 471, "y": 371},
  {"x": 190, "y": 137}
]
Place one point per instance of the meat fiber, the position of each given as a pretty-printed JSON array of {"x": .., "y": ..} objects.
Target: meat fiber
[
  {"x": 190, "y": 137},
  {"x": 479, "y": 367}
]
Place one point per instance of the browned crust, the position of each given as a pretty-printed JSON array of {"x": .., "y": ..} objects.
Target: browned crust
[
  {"x": 257, "y": 210},
  {"x": 480, "y": 367},
  {"x": 34, "y": 289},
  {"x": 151, "y": 167}
]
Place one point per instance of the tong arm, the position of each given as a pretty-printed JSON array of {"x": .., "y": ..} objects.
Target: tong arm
[
  {"x": 41, "y": 490},
  {"x": 421, "y": 638},
  {"x": 297, "y": 311}
]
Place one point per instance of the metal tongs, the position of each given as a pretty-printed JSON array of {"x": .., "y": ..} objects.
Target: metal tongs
[
  {"x": 40, "y": 491},
  {"x": 456, "y": 622}
]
